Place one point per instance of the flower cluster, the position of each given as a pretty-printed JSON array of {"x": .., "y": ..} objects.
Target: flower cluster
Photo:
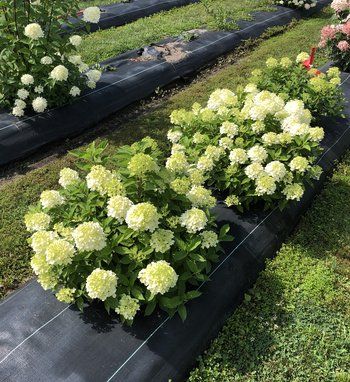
[
  {"x": 297, "y": 79},
  {"x": 269, "y": 152},
  {"x": 303, "y": 4},
  {"x": 341, "y": 8},
  {"x": 39, "y": 65},
  {"x": 124, "y": 235}
]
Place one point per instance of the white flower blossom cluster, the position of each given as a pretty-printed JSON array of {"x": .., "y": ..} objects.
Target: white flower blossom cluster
[{"x": 304, "y": 4}]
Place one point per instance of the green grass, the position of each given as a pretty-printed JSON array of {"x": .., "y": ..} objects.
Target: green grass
[
  {"x": 295, "y": 323},
  {"x": 108, "y": 43},
  {"x": 91, "y": 3},
  {"x": 24, "y": 190}
]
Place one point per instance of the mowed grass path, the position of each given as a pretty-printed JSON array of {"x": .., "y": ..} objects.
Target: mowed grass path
[
  {"x": 108, "y": 43},
  {"x": 295, "y": 323},
  {"x": 16, "y": 195}
]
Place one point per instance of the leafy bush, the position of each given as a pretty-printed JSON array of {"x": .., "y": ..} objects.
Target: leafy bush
[
  {"x": 251, "y": 146},
  {"x": 123, "y": 236},
  {"x": 39, "y": 64},
  {"x": 297, "y": 79},
  {"x": 305, "y": 4}
]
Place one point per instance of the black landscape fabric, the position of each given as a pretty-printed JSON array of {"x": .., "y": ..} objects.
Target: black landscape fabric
[
  {"x": 132, "y": 81},
  {"x": 43, "y": 340}
]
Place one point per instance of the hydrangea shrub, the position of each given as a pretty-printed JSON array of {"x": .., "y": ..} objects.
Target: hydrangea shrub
[
  {"x": 335, "y": 38},
  {"x": 39, "y": 65},
  {"x": 116, "y": 231},
  {"x": 303, "y": 4},
  {"x": 251, "y": 147},
  {"x": 297, "y": 79}
]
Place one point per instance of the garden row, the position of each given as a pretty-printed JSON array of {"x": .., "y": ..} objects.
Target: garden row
[
  {"x": 154, "y": 67},
  {"x": 153, "y": 236}
]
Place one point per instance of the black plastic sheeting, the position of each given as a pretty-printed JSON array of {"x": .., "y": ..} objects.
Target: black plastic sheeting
[
  {"x": 131, "y": 81},
  {"x": 118, "y": 14},
  {"x": 44, "y": 340}
]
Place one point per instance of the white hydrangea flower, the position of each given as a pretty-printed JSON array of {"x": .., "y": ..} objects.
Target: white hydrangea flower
[
  {"x": 177, "y": 162},
  {"x": 59, "y": 73},
  {"x": 257, "y": 154},
  {"x": 92, "y": 15},
  {"x": 59, "y": 252},
  {"x": 201, "y": 197},
  {"x": 74, "y": 91},
  {"x": 316, "y": 134},
  {"x": 37, "y": 221},
  {"x": 118, "y": 206},
  {"x": 66, "y": 295},
  {"x": 251, "y": 88},
  {"x": 193, "y": 220},
  {"x": 174, "y": 136},
  {"x": 91, "y": 84},
  {"x": 162, "y": 240},
  {"x": 27, "y": 79},
  {"x": 221, "y": 97},
  {"x": 299, "y": 164},
  {"x": 38, "y": 89},
  {"x": 75, "y": 40},
  {"x": 18, "y": 111},
  {"x": 238, "y": 156},
  {"x": 209, "y": 239},
  {"x": 93, "y": 75},
  {"x": 68, "y": 177},
  {"x": 253, "y": 170},
  {"x": 104, "y": 181},
  {"x": 265, "y": 185},
  {"x": 159, "y": 277},
  {"x": 142, "y": 217},
  {"x": 40, "y": 240},
  {"x": 293, "y": 191},
  {"x": 23, "y": 94},
  {"x": 276, "y": 169},
  {"x": 270, "y": 138},
  {"x": 205, "y": 163},
  {"x": 301, "y": 57},
  {"x": 229, "y": 128},
  {"x": 101, "y": 284},
  {"x": 50, "y": 199},
  {"x": 39, "y": 264},
  {"x": 46, "y": 60},
  {"x": 141, "y": 164},
  {"x": 20, "y": 103},
  {"x": 39, "y": 104},
  {"x": 89, "y": 236},
  {"x": 127, "y": 307},
  {"x": 33, "y": 31}
]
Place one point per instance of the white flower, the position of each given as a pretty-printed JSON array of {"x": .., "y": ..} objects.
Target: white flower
[
  {"x": 38, "y": 89},
  {"x": 301, "y": 57},
  {"x": 59, "y": 252},
  {"x": 162, "y": 240},
  {"x": 46, "y": 60},
  {"x": 37, "y": 221},
  {"x": 265, "y": 185},
  {"x": 91, "y": 84},
  {"x": 159, "y": 277},
  {"x": 89, "y": 236},
  {"x": 254, "y": 170},
  {"x": 75, "y": 40},
  {"x": 23, "y": 93},
  {"x": 75, "y": 59},
  {"x": 174, "y": 135},
  {"x": 27, "y": 79},
  {"x": 74, "y": 91},
  {"x": 20, "y": 103},
  {"x": 68, "y": 177},
  {"x": 50, "y": 199},
  {"x": 276, "y": 169},
  {"x": 205, "y": 163},
  {"x": 193, "y": 220},
  {"x": 40, "y": 240},
  {"x": 101, "y": 284},
  {"x": 257, "y": 154},
  {"x": 17, "y": 111},
  {"x": 33, "y": 31},
  {"x": 92, "y": 15},
  {"x": 229, "y": 128},
  {"x": 238, "y": 156},
  {"x": 142, "y": 217},
  {"x": 209, "y": 239},
  {"x": 127, "y": 307},
  {"x": 39, "y": 104},
  {"x": 221, "y": 97},
  {"x": 59, "y": 73},
  {"x": 299, "y": 164},
  {"x": 293, "y": 191},
  {"x": 201, "y": 197},
  {"x": 93, "y": 75},
  {"x": 118, "y": 206}
]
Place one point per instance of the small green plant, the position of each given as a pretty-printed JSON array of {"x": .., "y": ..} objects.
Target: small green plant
[{"x": 221, "y": 17}]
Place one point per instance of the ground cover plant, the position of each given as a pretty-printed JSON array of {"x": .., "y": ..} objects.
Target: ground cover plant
[
  {"x": 294, "y": 324},
  {"x": 39, "y": 66},
  {"x": 19, "y": 193}
]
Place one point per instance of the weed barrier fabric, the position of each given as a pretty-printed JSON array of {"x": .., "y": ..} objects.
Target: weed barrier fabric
[
  {"x": 118, "y": 14},
  {"x": 44, "y": 340},
  {"x": 131, "y": 81}
]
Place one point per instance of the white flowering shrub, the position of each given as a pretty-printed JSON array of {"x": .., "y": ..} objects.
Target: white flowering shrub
[
  {"x": 297, "y": 79},
  {"x": 39, "y": 64},
  {"x": 303, "y": 4},
  {"x": 250, "y": 147},
  {"x": 119, "y": 232}
]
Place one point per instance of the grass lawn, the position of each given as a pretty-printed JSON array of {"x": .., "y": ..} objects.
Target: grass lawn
[
  {"x": 107, "y": 43},
  {"x": 17, "y": 194},
  {"x": 91, "y": 3},
  {"x": 295, "y": 323}
]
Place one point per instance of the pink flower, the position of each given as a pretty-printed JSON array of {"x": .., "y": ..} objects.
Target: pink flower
[
  {"x": 346, "y": 28},
  {"x": 343, "y": 45},
  {"x": 322, "y": 44},
  {"x": 328, "y": 32},
  {"x": 340, "y": 5}
]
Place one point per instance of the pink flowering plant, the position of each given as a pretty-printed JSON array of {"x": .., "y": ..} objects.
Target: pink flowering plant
[
  {"x": 39, "y": 64},
  {"x": 116, "y": 231},
  {"x": 341, "y": 8}
]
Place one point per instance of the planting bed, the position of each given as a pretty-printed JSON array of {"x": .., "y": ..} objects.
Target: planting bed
[
  {"x": 95, "y": 347},
  {"x": 121, "y": 13},
  {"x": 137, "y": 76}
]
